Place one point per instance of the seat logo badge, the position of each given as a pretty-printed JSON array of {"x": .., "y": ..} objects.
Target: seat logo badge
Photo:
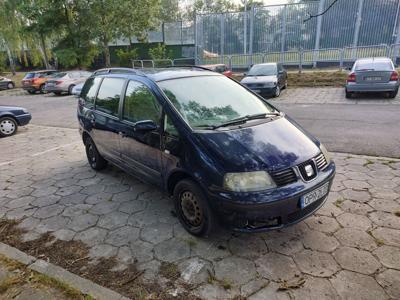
[{"x": 309, "y": 170}]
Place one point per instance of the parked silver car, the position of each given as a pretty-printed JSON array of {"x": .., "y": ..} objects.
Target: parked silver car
[
  {"x": 64, "y": 82},
  {"x": 373, "y": 75}
]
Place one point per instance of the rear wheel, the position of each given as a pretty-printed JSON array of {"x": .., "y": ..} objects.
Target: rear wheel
[
  {"x": 8, "y": 126},
  {"x": 349, "y": 94},
  {"x": 70, "y": 89},
  {"x": 193, "y": 209},
  {"x": 96, "y": 161},
  {"x": 41, "y": 89},
  {"x": 10, "y": 85}
]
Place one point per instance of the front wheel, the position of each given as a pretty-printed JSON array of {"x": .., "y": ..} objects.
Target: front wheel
[
  {"x": 8, "y": 126},
  {"x": 277, "y": 91},
  {"x": 193, "y": 209},
  {"x": 42, "y": 89},
  {"x": 96, "y": 161}
]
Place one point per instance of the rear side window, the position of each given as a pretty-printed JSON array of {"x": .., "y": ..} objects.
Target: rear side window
[
  {"x": 107, "y": 100},
  {"x": 89, "y": 91},
  {"x": 140, "y": 104}
]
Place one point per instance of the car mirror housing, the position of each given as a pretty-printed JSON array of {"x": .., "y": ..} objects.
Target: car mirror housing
[{"x": 146, "y": 125}]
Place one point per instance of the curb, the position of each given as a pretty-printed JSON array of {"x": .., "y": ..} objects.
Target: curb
[
  {"x": 83, "y": 285},
  {"x": 345, "y": 154}
]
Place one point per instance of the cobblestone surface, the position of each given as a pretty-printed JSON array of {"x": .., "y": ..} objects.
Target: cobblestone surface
[{"x": 349, "y": 249}]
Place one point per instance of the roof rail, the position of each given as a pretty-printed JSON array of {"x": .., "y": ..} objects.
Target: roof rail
[
  {"x": 118, "y": 70},
  {"x": 190, "y": 66}
]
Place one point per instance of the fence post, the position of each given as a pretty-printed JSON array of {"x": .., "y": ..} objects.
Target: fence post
[
  {"x": 301, "y": 54},
  {"x": 251, "y": 33},
  {"x": 283, "y": 37},
  {"x": 387, "y": 50},
  {"x": 341, "y": 59},
  {"x": 222, "y": 40},
  {"x": 321, "y": 7},
  {"x": 196, "y": 44},
  {"x": 230, "y": 63}
]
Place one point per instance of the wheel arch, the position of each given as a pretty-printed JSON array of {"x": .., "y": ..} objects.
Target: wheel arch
[
  {"x": 175, "y": 177},
  {"x": 85, "y": 137},
  {"x": 10, "y": 116}
]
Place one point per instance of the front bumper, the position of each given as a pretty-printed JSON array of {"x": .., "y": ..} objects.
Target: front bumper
[
  {"x": 23, "y": 119},
  {"x": 264, "y": 211},
  {"x": 372, "y": 87}
]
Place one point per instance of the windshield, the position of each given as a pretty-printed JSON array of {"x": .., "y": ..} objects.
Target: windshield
[
  {"x": 374, "y": 66},
  {"x": 262, "y": 70},
  {"x": 29, "y": 75},
  {"x": 212, "y": 100}
]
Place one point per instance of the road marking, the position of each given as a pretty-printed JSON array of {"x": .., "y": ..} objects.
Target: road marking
[{"x": 39, "y": 153}]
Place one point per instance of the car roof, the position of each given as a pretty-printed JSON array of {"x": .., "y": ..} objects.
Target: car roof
[
  {"x": 43, "y": 71},
  {"x": 266, "y": 64},
  {"x": 160, "y": 74}
]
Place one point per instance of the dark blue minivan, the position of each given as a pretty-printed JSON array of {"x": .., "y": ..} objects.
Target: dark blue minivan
[{"x": 225, "y": 154}]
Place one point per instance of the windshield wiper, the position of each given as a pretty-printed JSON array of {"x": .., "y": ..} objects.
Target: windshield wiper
[{"x": 244, "y": 119}]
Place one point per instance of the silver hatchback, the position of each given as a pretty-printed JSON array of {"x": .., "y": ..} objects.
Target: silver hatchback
[
  {"x": 373, "y": 75},
  {"x": 64, "y": 82}
]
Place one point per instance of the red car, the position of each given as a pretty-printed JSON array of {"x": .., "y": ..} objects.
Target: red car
[{"x": 219, "y": 68}]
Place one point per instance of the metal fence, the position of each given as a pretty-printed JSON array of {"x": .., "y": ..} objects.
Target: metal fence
[
  {"x": 332, "y": 57},
  {"x": 281, "y": 28}
]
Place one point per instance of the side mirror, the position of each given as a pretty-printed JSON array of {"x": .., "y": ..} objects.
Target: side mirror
[{"x": 146, "y": 125}]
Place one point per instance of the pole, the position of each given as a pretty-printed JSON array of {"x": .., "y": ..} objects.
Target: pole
[
  {"x": 321, "y": 7},
  {"x": 245, "y": 28},
  {"x": 196, "y": 44},
  {"x": 358, "y": 25},
  {"x": 283, "y": 37},
  {"x": 222, "y": 28}
]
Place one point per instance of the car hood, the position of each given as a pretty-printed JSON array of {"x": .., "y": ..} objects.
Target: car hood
[
  {"x": 10, "y": 108},
  {"x": 259, "y": 79},
  {"x": 274, "y": 145}
]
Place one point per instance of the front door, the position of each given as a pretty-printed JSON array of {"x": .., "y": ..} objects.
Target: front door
[
  {"x": 140, "y": 150},
  {"x": 105, "y": 118}
]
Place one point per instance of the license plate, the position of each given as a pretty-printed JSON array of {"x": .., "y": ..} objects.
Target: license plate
[
  {"x": 373, "y": 78},
  {"x": 315, "y": 195}
]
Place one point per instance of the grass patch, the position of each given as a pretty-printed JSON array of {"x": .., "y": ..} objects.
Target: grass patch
[
  {"x": 169, "y": 270},
  {"x": 369, "y": 162},
  {"x": 10, "y": 282},
  {"x": 339, "y": 202}
]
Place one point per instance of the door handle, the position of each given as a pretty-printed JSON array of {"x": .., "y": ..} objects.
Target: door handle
[{"x": 122, "y": 134}]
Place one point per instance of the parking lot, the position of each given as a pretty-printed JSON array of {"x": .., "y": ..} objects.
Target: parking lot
[{"x": 350, "y": 249}]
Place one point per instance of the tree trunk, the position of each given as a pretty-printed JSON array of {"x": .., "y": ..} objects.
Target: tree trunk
[
  {"x": 107, "y": 58},
  {"x": 10, "y": 58},
  {"x": 44, "y": 52}
]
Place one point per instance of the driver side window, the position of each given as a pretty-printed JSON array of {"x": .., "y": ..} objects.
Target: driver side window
[{"x": 140, "y": 104}]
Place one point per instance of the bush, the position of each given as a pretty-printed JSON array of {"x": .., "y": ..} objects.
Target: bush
[
  {"x": 125, "y": 56},
  {"x": 158, "y": 52}
]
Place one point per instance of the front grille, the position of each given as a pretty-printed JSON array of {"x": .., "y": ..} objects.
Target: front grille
[
  {"x": 321, "y": 162},
  {"x": 284, "y": 177},
  {"x": 308, "y": 165}
]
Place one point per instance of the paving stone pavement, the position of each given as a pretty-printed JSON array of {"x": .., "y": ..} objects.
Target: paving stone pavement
[
  {"x": 332, "y": 95},
  {"x": 349, "y": 249}
]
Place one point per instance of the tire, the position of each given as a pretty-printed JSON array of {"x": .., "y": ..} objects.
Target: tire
[
  {"x": 349, "y": 95},
  {"x": 393, "y": 94},
  {"x": 96, "y": 161},
  {"x": 41, "y": 89},
  {"x": 193, "y": 209},
  {"x": 31, "y": 92},
  {"x": 10, "y": 85},
  {"x": 286, "y": 84},
  {"x": 277, "y": 91},
  {"x": 8, "y": 126},
  {"x": 57, "y": 93},
  {"x": 70, "y": 89}
]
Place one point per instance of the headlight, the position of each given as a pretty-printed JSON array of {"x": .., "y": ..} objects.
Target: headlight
[
  {"x": 25, "y": 111},
  {"x": 325, "y": 153},
  {"x": 248, "y": 181}
]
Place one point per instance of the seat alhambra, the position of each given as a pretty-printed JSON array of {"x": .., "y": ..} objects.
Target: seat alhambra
[{"x": 224, "y": 154}]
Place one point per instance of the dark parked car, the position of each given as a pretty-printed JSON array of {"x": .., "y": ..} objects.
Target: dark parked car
[
  {"x": 266, "y": 79},
  {"x": 373, "y": 75},
  {"x": 6, "y": 84},
  {"x": 11, "y": 117},
  {"x": 223, "y": 153}
]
